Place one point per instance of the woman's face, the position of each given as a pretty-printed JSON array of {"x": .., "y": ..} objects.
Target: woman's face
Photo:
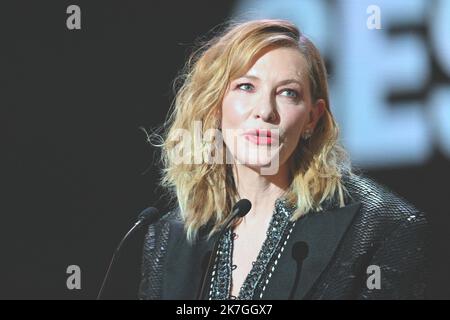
[{"x": 265, "y": 111}]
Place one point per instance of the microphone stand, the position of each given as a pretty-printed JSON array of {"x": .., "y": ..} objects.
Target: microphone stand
[
  {"x": 146, "y": 217},
  {"x": 240, "y": 209},
  {"x": 115, "y": 257},
  {"x": 299, "y": 254}
]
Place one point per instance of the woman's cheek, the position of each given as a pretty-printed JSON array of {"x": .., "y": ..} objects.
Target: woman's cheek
[
  {"x": 233, "y": 110},
  {"x": 294, "y": 127}
]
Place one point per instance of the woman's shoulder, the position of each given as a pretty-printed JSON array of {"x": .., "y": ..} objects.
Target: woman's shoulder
[
  {"x": 172, "y": 217},
  {"x": 158, "y": 239},
  {"x": 171, "y": 223},
  {"x": 380, "y": 205}
]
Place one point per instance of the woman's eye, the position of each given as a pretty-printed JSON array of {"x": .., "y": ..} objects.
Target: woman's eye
[
  {"x": 245, "y": 86},
  {"x": 290, "y": 93}
]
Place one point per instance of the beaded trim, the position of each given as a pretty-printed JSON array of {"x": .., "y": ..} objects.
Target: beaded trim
[
  {"x": 275, "y": 262},
  {"x": 220, "y": 281},
  {"x": 280, "y": 227}
]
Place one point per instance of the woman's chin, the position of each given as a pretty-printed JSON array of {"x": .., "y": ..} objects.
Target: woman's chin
[{"x": 264, "y": 165}]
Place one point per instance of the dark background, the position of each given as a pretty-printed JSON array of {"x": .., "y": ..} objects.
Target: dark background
[{"x": 77, "y": 168}]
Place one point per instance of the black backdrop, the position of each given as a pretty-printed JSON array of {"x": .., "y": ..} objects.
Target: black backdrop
[{"x": 76, "y": 167}]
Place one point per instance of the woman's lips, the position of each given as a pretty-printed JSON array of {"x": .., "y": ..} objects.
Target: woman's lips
[
  {"x": 258, "y": 139},
  {"x": 261, "y": 136}
]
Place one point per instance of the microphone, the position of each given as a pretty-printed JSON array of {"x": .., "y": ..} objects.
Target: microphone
[
  {"x": 240, "y": 209},
  {"x": 299, "y": 253},
  {"x": 146, "y": 217}
]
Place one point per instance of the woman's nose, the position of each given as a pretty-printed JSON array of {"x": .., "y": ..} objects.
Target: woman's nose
[{"x": 265, "y": 108}]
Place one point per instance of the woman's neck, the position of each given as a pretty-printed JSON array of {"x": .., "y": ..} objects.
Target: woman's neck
[{"x": 261, "y": 190}]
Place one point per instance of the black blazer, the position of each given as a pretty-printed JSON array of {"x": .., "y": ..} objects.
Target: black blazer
[{"x": 376, "y": 227}]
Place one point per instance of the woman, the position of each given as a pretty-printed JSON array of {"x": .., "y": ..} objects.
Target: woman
[{"x": 315, "y": 230}]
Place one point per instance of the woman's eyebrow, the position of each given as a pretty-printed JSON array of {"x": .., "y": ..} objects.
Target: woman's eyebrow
[
  {"x": 282, "y": 82},
  {"x": 287, "y": 81},
  {"x": 249, "y": 76}
]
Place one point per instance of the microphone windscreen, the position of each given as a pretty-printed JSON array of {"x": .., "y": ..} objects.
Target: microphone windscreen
[
  {"x": 149, "y": 215},
  {"x": 243, "y": 206},
  {"x": 300, "y": 250}
]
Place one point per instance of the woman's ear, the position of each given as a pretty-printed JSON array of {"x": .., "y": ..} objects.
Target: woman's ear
[
  {"x": 315, "y": 114},
  {"x": 218, "y": 117}
]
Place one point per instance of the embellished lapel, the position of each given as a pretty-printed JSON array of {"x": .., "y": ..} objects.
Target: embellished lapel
[{"x": 322, "y": 233}]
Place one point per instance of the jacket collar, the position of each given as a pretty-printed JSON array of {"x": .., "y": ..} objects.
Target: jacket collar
[{"x": 322, "y": 232}]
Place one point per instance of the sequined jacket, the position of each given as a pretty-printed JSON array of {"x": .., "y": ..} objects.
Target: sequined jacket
[{"x": 372, "y": 248}]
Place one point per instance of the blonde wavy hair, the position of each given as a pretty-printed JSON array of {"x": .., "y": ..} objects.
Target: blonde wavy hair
[{"x": 206, "y": 192}]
